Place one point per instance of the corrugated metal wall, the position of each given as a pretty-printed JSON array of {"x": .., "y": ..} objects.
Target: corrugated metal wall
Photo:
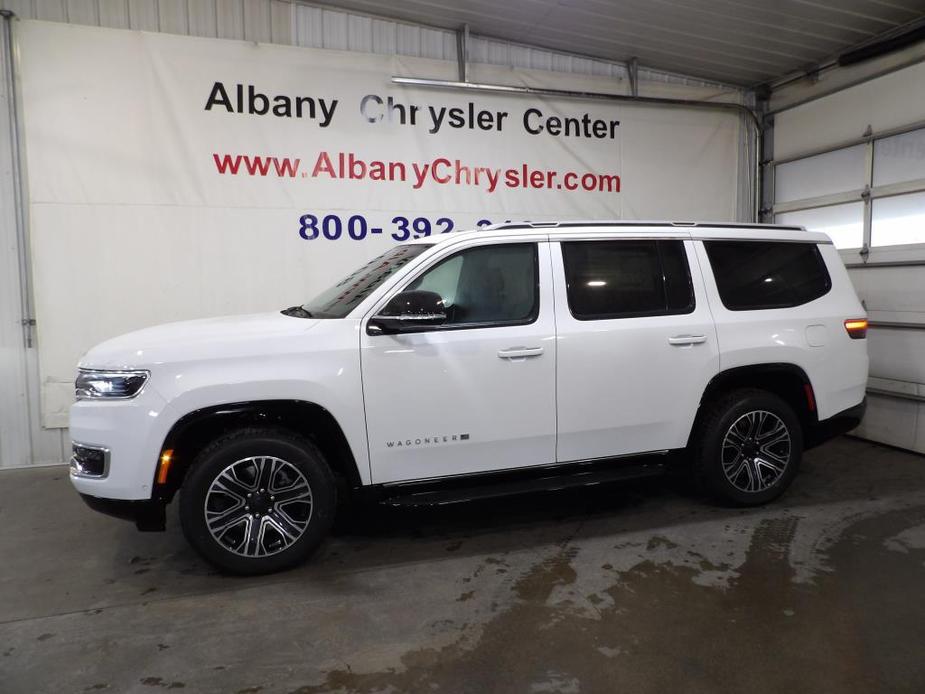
[
  {"x": 22, "y": 440},
  {"x": 293, "y": 23},
  {"x": 268, "y": 21}
]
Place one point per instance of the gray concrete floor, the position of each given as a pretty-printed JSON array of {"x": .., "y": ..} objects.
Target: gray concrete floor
[{"x": 636, "y": 588}]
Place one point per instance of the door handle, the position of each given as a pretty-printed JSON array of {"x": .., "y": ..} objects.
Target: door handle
[
  {"x": 687, "y": 339},
  {"x": 520, "y": 352}
]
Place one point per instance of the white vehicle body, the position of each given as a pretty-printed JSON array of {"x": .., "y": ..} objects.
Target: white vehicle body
[{"x": 434, "y": 404}]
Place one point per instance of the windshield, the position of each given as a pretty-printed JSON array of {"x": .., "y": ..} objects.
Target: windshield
[{"x": 344, "y": 296}]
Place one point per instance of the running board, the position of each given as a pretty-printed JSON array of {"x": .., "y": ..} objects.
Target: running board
[{"x": 494, "y": 485}]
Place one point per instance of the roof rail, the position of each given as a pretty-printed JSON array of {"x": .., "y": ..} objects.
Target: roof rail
[{"x": 624, "y": 223}]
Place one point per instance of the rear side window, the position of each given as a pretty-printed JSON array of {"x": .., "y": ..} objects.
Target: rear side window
[
  {"x": 767, "y": 274},
  {"x": 625, "y": 279}
]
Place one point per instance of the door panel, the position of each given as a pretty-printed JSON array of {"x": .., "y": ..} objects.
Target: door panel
[
  {"x": 464, "y": 399},
  {"x": 633, "y": 384}
]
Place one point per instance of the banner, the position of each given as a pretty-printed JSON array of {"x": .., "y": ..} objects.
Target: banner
[{"x": 174, "y": 177}]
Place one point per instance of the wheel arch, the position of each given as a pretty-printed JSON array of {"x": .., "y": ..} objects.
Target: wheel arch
[
  {"x": 788, "y": 381},
  {"x": 192, "y": 432}
]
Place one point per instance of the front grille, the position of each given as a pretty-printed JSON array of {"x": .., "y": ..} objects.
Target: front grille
[{"x": 89, "y": 461}]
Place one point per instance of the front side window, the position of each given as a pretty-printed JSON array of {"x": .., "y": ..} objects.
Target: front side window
[
  {"x": 754, "y": 275},
  {"x": 487, "y": 285},
  {"x": 346, "y": 295},
  {"x": 625, "y": 279}
]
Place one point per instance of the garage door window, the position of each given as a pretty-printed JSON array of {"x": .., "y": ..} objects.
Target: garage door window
[
  {"x": 899, "y": 158},
  {"x": 486, "y": 286},
  {"x": 823, "y": 174},
  {"x": 898, "y": 220},
  {"x": 844, "y": 224},
  {"x": 763, "y": 275},
  {"x": 864, "y": 196},
  {"x": 623, "y": 279}
]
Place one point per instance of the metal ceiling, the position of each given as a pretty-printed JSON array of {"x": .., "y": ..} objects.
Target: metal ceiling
[{"x": 741, "y": 42}]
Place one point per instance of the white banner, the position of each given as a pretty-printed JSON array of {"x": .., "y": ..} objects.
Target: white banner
[{"x": 174, "y": 177}]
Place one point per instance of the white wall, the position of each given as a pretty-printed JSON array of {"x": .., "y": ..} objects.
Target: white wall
[
  {"x": 14, "y": 434},
  {"x": 22, "y": 438},
  {"x": 891, "y": 292}
]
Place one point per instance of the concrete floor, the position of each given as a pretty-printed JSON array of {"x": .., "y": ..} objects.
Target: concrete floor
[{"x": 636, "y": 588}]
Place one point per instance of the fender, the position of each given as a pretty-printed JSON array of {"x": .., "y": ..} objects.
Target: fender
[
  {"x": 195, "y": 430},
  {"x": 787, "y": 381}
]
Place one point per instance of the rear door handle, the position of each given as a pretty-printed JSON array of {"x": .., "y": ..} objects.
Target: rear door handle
[
  {"x": 520, "y": 352},
  {"x": 687, "y": 339}
]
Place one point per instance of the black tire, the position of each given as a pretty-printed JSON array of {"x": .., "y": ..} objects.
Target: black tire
[
  {"x": 744, "y": 474},
  {"x": 225, "y": 483}
]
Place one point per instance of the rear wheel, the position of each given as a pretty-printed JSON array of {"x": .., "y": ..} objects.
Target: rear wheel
[
  {"x": 258, "y": 501},
  {"x": 749, "y": 448}
]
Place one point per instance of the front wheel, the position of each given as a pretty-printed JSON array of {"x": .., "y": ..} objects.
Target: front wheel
[
  {"x": 749, "y": 448},
  {"x": 258, "y": 501}
]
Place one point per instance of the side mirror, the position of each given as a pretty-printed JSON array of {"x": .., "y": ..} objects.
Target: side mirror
[{"x": 408, "y": 312}]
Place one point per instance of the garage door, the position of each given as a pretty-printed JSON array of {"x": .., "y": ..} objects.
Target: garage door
[{"x": 869, "y": 196}]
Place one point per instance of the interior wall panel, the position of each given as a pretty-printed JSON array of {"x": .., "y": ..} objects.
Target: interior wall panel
[
  {"x": 257, "y": 21},
  {"x": 285, "y": 22},
  {"x": 22, "y": 439},
  {"x": 203, "y": 19},
  {"x": 230, "y": 18},
  {"x": 281, "y": 22},
  {"x": 745, "y": 42},
  {"x": 15, "y": 445},
  {"x": 143, "y": 15},
  {"x": 82, "y": 12},
  {"x": 49, "y": 10},
  {"x": 113, "y": 13}
]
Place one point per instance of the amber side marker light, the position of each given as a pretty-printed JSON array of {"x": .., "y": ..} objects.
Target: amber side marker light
[
  {"x": 163, "y": 468},
  {"x": 856, "y": 327},
  {"x": 810, "y": 397}
]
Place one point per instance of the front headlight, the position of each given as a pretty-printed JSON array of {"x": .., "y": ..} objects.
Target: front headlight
[{"x": 113, "y": 385}]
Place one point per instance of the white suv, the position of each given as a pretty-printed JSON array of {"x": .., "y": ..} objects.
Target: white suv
[{"x": 476, "y": 364}]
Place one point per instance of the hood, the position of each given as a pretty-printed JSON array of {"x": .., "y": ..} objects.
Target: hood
[{"x": 228, "y": 337}]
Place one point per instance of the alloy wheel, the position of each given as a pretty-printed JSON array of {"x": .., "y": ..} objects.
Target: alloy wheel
[
  {"x": 258, "y": 506},
  {"x": 756, "y": 451}
]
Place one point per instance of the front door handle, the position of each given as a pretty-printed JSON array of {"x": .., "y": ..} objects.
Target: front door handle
[
  {"x": 520, "y": 352},
  {"x": 687, "y": 339}
]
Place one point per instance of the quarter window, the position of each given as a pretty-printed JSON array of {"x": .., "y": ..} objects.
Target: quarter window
[
  {"x": 767, "y": 274},
  {"x": 487, "y": 285},
  {"x": 623, "y": 279}
]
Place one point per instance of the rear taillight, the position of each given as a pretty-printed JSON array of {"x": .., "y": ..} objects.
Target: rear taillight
[{"x": 857, "y": 328}]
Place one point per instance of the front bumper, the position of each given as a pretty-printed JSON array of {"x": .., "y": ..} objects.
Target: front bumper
[
  {"x": 130, "y": 434},
  {"x": 838, "y": 424},
  {"x": 127, "y": 435},
  {"x": 149, "y": 515}
]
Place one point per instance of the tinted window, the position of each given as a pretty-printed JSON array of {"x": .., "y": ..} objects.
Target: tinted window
[
  {"x": 767, "y": 274},
  {"x": 489, "y": 284},
  {"x": 620, "y": 279},
  {"x": 344, "y": 296}
]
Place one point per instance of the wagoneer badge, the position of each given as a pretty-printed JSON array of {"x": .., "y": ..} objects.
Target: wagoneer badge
[{"x": 427, "y": 440}]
